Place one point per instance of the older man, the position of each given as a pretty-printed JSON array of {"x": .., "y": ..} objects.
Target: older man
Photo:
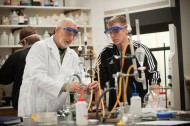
[{"x": 49, "y": 64}]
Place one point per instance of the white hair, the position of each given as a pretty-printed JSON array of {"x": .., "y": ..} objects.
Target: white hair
[{"x": 62, "y": 21}]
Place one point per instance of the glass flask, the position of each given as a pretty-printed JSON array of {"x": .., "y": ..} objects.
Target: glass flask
[{"x": 151, "y": 100}]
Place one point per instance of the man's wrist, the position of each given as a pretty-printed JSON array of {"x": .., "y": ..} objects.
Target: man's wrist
[{"x": 96, "y": 89}]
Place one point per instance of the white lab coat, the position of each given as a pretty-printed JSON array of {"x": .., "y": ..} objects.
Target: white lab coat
[{"x": 43, "y": 78}]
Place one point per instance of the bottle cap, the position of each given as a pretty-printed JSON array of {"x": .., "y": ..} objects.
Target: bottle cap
[
  {"x": 162, "y": 93},
  {"x": 135, "y": 94},
  {"x": 164, "y": 115},
  {"x": 81, "y": 98}
]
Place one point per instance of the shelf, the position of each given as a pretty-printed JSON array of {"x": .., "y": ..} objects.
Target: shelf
[
  {"x": 32, "y": 10},
  {"x": 38, "y": 26},
  {"x": 10, "y": 46},
  {"x": 44, "y": 7}
]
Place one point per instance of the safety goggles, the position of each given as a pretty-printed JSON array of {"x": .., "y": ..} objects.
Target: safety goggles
[
  {"x": 33, "y": 35},
  {"x": 114, "y": 30},
  {"x": 71, "y": 32}
]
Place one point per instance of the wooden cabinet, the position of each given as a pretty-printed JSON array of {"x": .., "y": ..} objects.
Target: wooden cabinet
[{"x": 8, "y": 111}]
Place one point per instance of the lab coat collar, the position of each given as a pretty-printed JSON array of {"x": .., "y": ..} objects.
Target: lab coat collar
[
  {"x": 55, "y": 50},
  {"x": 52, "y": 45}
]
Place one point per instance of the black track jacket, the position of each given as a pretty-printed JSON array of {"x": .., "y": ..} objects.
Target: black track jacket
[
  {"x": 12, "y": 71},
  {"x": 108, "y": 66}
]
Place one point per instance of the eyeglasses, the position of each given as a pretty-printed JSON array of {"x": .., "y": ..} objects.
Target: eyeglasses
[
  {"x": 71, "y": 32},
  {"x": 114, "y": 30}
]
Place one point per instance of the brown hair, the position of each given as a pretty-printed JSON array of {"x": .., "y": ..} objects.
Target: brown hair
[
  {"x": 27, "y": 31},
  {"x": 117, "y": 19}
]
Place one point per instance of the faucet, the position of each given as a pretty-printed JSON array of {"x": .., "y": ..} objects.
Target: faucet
[{"x": 67, "y": 109}]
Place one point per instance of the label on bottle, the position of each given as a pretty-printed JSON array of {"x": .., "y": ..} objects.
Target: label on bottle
[{"x": 21, "y": 19}]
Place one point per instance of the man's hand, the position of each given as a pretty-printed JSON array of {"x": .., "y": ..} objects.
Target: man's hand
[
  {"x": 93, "y": 86},
  {"x": 156, "y": 88},
  {"x": 76, "y": 87}
]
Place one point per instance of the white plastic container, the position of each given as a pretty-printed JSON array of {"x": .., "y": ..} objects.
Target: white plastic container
[
  {"x": 14, "y": 18},
  {"x": 11, "y": 39},
  {"x": 46, "y": 35},
  {"x": 56, "y": 3},
  {"x": 81, "y": 112},
  {"x": 162, "y": 99},
  {"x": 4, "y": 38},
  {"x": 17, "y": 38},
  {"x": 135, "y": 107}
]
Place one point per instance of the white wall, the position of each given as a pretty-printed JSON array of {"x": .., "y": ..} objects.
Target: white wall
[{"x": 99, "y": 38}]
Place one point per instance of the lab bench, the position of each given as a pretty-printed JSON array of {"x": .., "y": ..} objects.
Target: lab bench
[{"x": 29, "y": 122}]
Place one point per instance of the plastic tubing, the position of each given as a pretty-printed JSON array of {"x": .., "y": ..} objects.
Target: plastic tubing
[
  {"x": 118, "y": 93},
  {"x": 91, "y": 92},
  {"x": 97, "y": 116},
  {"x": 126, "y": 83},
  {"x": 90, "y": 102},
  {"x": 100, "y": 93}
]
